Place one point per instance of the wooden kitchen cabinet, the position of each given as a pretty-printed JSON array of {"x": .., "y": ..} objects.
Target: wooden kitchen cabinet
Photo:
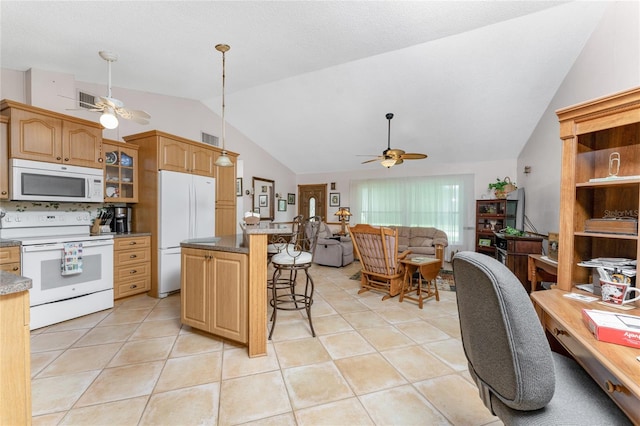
[
  {"x": 15, "y": 353},
  {"x": 131, "y": 266},
  {"x": 186, "y": 158},
  {"x": 120, "y": 172},
  {"x": 40, "y": 135},
  {"x": 214, "y": 292},
  {"x": 4, "y": 158},
  {"x": 10, "y": 259}
]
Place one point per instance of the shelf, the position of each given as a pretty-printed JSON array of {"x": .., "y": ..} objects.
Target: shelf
[{"x": 606, "y": 235}]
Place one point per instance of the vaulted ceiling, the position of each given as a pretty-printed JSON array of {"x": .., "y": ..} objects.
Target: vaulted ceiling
[{"x": 313, "y": 80}]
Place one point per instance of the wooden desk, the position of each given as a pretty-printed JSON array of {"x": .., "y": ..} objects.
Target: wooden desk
[
  {"x": 428, "y": 269},
  {"x": 541, "y": 267},
  {"x": 613, "y": 367}
]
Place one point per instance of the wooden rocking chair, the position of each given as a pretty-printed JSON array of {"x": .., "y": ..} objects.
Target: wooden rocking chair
[{"x": 377, "y": 249}]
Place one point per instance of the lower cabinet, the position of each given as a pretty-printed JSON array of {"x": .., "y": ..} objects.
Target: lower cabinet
[
  {"x": 214, "y": 292},
  {"x": 10, "y": 259},
  {"x": 15, "y": 367},
  {"x": 131, "y": 266}
]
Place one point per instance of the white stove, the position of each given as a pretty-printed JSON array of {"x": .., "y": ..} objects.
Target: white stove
[{"x": 71, "y": 270}]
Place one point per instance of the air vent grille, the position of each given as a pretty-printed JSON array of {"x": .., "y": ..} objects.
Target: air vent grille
[
  {"x": 210, "y": 139},
  {"x": 86, "y": 100}
]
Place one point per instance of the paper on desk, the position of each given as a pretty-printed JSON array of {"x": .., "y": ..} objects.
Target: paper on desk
[{"x": 581, "y": 297}]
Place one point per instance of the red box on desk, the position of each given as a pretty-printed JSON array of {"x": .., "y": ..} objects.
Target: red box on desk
[{"x": 613, "y": 327}]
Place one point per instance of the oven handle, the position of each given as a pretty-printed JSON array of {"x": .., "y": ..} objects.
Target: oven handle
[{"x": 60, "y": 246}]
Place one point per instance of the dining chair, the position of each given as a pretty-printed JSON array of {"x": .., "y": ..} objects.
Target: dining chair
[
  {"x": 294, "y": 257},
  {"x": 377, "y": 249},
  {"x": 519, "y": 379}
]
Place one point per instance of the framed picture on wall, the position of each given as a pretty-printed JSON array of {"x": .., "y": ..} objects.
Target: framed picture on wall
[
  {"x": 291, "y": 198},
  {"x": 334, "y": 199},
  {"x": 282, "y": 205},
  {"x": 238, "y": 187},
  {"x": 263, "y": 201}
]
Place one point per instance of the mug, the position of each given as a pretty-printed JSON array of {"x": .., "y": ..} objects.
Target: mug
[{"x": 615, "y": 293}]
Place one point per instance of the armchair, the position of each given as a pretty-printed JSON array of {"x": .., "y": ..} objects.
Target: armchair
[
  {"x": 377, "y": 249},
  {"x": 333, "y": 251}
]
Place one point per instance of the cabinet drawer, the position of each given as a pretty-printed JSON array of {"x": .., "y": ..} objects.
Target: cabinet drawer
[
  {"x": 138, "y": 255},
  {"x": 14, "y": 268},
  {"x": 138, "y": 285},
  {"x": 601, "y": 375},
  {"x": 132, "y": 242},
  {"x": 129, "y": 272},
  {"x": 9, "y": 255}
]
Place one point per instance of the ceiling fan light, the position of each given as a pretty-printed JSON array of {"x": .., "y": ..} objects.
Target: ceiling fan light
[
  {"x": 388, "y": 162},
  {"x": 224, "y": 160},
  {"x": 108, "y": 119}
]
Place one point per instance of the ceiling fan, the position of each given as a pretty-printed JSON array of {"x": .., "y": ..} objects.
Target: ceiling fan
[
  {"x": 391, "y": 157},
  {"x": 110, "y": 107}
]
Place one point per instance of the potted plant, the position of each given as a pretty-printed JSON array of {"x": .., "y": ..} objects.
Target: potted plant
[{"x": 502, "y": 187}]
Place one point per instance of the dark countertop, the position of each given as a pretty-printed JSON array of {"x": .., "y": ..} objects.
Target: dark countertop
[
  {"x": 9, "y": 243},
  {"x": 12, "y": 283},
  {"x": 228, "y": 243}
]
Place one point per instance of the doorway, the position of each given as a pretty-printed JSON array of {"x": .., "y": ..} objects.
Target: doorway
[{"x": 313, "y": 200}]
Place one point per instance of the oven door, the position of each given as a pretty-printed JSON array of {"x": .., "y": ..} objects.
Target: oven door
[{"x": 43, "y": 264}]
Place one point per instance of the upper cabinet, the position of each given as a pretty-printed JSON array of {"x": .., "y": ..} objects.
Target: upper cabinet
[
  {"x": 600, "y": 183},
  {"x": 120, "y": 172},
  {"x": 40, "y": 135},
  {"x": 4, "y": 159},
  {"x": 185, "y": 157}
]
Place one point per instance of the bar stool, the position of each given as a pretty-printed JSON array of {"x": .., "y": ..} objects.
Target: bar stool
[{"x": 295, "y": 257}]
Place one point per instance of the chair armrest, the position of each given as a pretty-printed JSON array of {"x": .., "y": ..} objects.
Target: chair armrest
[
  {"x": 404, "y": 254},
  {"x": 439, "y": 252},
  {"x": 327, "y": 242}
]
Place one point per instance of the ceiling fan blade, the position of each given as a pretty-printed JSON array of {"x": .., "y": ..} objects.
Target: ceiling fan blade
[
  {"x": 132, "y": 114},
  {"x": 413, "y": 156},
  {"x": 372, "y": 160}
]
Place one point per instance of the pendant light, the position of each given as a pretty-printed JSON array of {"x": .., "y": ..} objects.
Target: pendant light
[{"x": 223, "y": 160}]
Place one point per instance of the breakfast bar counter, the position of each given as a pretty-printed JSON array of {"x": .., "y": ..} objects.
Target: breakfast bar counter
[{"x": 223, "y": 285}]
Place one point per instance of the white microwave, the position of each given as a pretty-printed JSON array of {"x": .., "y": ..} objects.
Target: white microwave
[{"x": 39, "y": 181}]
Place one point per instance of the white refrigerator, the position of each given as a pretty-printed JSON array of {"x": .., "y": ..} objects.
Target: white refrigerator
[{"x": 187, "y": 210}]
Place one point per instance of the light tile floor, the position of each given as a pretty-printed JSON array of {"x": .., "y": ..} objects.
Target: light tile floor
[{"x": 373, "y": 362}]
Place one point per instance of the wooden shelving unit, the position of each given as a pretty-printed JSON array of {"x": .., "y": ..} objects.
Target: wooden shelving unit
[
  {"x": 492, "y": 216},
  {"x": 592, "y": 134}
]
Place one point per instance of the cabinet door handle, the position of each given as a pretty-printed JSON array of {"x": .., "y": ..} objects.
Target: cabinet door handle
[
  {"x": 4, "y": 192},
  {"x": 132, "y": 243},
  {"x": 133, "y": 286},
  {"x": 58, "y": 158},
  {"x": 133, "y": 271},
  {"x": 66, "y": 159},
  {"x": 611, "y": 387},
  {"x": 557, "y": 332},
  {"x": 133, "y": 256},
  {"x": 16, "y": 268},
  {"x": 100, "y": 160}
]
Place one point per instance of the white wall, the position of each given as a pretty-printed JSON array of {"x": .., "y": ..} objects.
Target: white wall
[{"x": 609, "y": 63}]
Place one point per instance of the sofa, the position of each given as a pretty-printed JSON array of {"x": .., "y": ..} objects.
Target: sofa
[
  {"x": 332, "y": 250},
  {"x": 421, "y": 241}
]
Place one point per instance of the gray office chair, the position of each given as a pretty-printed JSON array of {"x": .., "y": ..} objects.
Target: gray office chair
[{"x": 518, "y": 377}]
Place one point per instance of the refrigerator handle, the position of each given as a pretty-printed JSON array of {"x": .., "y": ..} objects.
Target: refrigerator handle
[{"x": 194, "y": 223}]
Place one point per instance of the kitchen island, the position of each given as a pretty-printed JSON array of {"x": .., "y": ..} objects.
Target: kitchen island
[
  {"x": 15, "y": 368},
  {"x": 223, "y": 285}
]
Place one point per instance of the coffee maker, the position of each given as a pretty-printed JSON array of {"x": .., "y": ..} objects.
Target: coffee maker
[{"x": 121, "y": 220}]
